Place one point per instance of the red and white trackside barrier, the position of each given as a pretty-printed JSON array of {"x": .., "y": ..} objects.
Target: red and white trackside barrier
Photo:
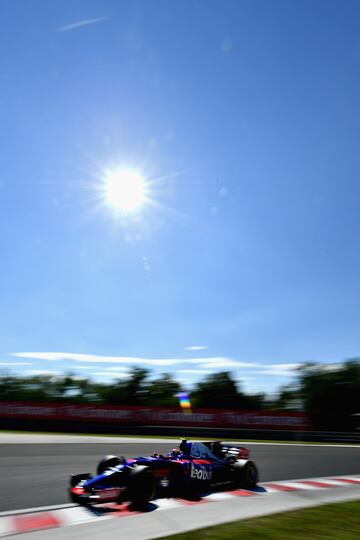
[{"x": 159, "y": 416}]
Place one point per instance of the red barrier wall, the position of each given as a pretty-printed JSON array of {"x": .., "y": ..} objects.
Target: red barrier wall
[{"x": 293, "y": 421}]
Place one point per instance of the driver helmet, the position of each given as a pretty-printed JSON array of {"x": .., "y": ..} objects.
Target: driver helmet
[
  {"x": 185, "y": 447},
  {"x": 217, "y": 447}
]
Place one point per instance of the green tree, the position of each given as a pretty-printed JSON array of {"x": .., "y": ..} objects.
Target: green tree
[
  {"x": 132, "y": 391},
  {"x": 162, "y": 391},
  {"x": 331, "y": 396},
  {"x": 289, "y": 398},
  {"x": 219, "y": 391}
]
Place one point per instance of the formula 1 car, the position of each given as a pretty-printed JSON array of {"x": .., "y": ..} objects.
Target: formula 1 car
[{"x": 193, "y": 467}]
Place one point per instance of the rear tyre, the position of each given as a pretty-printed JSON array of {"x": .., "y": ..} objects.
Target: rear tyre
[
  {"x": 141, "y": 485},
  {"x": 107, "y": 462},
  {"x": 246, "y": 474}
]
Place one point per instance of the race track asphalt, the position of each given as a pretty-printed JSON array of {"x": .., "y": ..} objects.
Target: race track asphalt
[{"x": 35, "y": 475}]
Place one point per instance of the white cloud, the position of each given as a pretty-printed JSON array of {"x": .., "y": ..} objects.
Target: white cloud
[
  {"x": 282, "y": 370},
  {"x": 222, "y": 362},
  {"x": 286, "y": 367},
  {"x": 196, "y": 348},
  {"x": 117, "y": 368},
  {"x": 326, "y": 367},
  {"x": 93, "y": 358},
  {"x": 333, "y": 367},
  {"x": 211, "y": 362},
  {"x": 15, "y": 364},
  {"x": 42, "y": 372},
  {"x": 195, "y": 371},
  {"x": 110, "y": 375},
  {"x": 84, "y": 367},
  {"x": 79, "y": 24}
]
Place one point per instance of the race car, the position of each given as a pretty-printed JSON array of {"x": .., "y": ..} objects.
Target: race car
[{"x": 193, "y": 467}]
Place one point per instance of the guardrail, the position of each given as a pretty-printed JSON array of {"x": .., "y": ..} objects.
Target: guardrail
[{"x": 177, "y": 431}]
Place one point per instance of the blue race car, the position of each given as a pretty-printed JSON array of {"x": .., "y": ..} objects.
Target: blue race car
[{"x": 193, "y": 467}]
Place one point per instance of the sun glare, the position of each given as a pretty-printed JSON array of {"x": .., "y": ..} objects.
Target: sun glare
[{"x": 125, "y": 190}]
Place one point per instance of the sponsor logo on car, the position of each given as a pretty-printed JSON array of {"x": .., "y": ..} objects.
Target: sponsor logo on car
[{"x": 199, "y": 472}]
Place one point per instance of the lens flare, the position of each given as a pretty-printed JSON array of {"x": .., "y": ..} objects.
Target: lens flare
[{"x": 184, "y": 401}]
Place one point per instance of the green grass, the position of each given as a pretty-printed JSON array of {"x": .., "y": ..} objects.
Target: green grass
[
  {"x": 171, "y": 437},
  {"x": 333, "y": 521}
]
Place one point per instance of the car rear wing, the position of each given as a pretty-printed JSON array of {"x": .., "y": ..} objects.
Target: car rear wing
[{"x": 238, "y": 452}]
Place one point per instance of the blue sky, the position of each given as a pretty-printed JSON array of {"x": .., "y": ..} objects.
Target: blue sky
[{"x": 243, "y": 118}]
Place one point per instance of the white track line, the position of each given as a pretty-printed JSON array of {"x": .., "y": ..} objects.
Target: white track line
[{"x": 38, "y": 438}]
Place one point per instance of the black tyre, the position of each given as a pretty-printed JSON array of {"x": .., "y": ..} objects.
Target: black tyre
[
  {"x": 141, "y": 485},
  {"x": 108, "y": 461},
  {"x": 246, "y": 474}
]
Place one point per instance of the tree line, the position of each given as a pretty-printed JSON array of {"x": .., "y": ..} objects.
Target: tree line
[
  {"x": 218, "y": 390},
  {"x": 330, "y": 393}
]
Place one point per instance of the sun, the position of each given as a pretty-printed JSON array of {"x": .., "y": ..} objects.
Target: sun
[{"x": 125, "y": 190}]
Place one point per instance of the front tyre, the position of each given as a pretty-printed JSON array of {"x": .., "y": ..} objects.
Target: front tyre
[
  {"x": 246, "y": 474},
  {"x": 141, "y": 485}
]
